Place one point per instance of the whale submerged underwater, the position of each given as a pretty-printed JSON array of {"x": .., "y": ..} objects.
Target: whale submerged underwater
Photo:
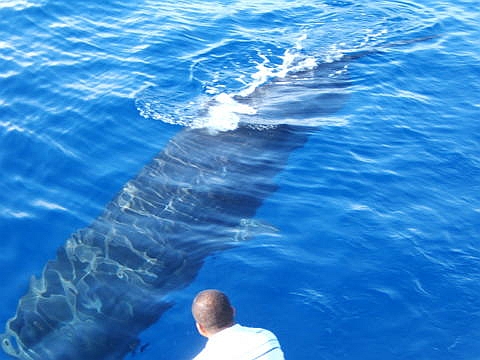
[{"x": 109, "y": 281}]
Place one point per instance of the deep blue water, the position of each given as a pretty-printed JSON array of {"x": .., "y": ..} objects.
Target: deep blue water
[{"x": 376, "y": 253}]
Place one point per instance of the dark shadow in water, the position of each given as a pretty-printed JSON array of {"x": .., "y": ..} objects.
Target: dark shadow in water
[{"x": 110, "y": 280}]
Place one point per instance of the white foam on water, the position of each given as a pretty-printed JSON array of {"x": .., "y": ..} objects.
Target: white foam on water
[
  {"x": 225, "y": 113},
  {"x": 18, "y": 4},
  {"x": 218, "y": 110}
]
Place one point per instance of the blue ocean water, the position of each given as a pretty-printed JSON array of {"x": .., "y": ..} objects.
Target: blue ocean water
[{"x": 375, "y": 253}]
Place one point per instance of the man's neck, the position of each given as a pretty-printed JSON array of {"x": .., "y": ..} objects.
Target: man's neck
[{"x": 211, "y": 333}]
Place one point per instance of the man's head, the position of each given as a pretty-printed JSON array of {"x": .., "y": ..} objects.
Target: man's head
[{"x": 212, "y": 312}]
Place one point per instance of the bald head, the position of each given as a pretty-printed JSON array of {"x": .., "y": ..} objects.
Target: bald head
[{"x": 212, "y": 311}]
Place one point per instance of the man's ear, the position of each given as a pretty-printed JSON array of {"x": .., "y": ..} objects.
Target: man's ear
[{"x": 201, "y": 330}]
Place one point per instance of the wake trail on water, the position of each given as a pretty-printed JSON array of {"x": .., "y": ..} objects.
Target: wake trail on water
[
  {"x": 220, "y": 110},
  {"x": 301, "y": 89}
]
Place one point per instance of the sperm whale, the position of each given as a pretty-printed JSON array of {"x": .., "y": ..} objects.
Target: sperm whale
[{"x": 109, "y": 281}]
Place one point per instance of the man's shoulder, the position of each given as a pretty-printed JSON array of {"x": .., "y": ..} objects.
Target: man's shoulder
[
  {"x": 254, "y": 331},
  {"x": 242, "y": 343},
  {"x": 260, "y": 344}
]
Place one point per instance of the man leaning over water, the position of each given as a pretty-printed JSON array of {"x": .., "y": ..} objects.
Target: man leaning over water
[{"x": 214, "y": 317}]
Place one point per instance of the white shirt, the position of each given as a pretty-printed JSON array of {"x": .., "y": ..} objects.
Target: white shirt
[{"x": 242, "y": 343}]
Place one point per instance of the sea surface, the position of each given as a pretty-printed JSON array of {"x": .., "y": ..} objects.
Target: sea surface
[{"x": 373, "y": 250}]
